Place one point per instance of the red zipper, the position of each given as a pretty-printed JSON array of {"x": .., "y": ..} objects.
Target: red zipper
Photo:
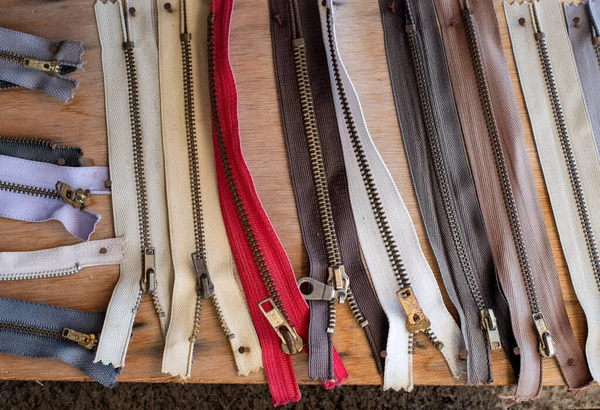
[{"x": 247, "y": 224}]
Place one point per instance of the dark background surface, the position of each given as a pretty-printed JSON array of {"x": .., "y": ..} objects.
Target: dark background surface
[{"x": 73, "y": 395}]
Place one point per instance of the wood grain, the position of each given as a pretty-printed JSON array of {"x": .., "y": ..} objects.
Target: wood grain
[{"x": 82, "y": 122}]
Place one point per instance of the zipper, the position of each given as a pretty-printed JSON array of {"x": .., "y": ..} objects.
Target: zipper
[
  {"x": 291, "y": 342},
  {"x": 565, "y": 142},
  {"x": 546, "y": 346},
  {"x": 36, "y": 149},
  {"x": 594, "y": 29},
  {"x": 487, "y": 317},
  {"x": 85, "y": 340},
  {"x": 337, "y": 279},
  {"x": 417, "y": 322},
  {"x": 148, "y": 282},
  {"x": 49, "y": 67},
  {"x": 77, "y": 198}
]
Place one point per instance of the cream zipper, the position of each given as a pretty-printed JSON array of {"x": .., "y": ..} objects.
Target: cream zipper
[
  {"x": 192, "y": 194},
  {"x": 130, "y": 61}
]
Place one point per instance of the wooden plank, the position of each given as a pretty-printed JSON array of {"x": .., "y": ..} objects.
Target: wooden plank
[{"x": 82, "y": 122}]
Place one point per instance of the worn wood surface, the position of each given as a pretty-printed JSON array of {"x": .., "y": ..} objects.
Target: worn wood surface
[{"x": 82, "y": 122}]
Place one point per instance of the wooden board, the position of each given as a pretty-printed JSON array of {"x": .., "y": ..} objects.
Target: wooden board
[{"x": 82, "y": 122}]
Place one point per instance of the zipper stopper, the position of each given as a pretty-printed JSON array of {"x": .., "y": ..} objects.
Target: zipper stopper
[
  {"x": 149, "y": 282},
  {"x": 291, "y": 343},
  {"x": 596, "y": 40},
  {"x": 416, "y": 319},
  {"x": 546, "y": 344},
  {"x": 298, "y": 42},
  {"x": 51, "y": 67},
  {"x": 488, "y": 323},
  {"x": 89, "y": 341},
  {"x": 204, "y": 285},
  {"x": 410, "y": 28},
  {"x": 77, "y": 198}
]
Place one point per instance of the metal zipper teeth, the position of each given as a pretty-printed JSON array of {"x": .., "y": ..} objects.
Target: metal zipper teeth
[
  {"x": 194, "y": 170},
  {"x": 415, "y": 316},
  {"x": 355, "y": 309},
  {"x": 545, "y": 343},
  {"x": 251, "y": 239},
  {"x": 559, "y": 119},
  {"x": 37, "y": 143},
  {"x": 87, "y": 341},
  {"x": 438, "y": 161},
  {"x": 44, "y": 274},
  {"x": 499, "y": 159},
  {"x": 317, "y": 166},
  {"x": 138, "y": 165},
  {"x": 29, "y": 190}
]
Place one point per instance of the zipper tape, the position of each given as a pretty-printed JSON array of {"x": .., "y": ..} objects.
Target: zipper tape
[
  {"x": 29, "y": 192},
  {"x": 583, "y": 22},
  {"x": 443, "y": 331},
  {"x": 35, "y": 149},
  {"x": 60, "y": 261},
  {"x": 254, "y": 243},
  {"x": 228, "y": 300},
  {"x": 68, "y": 54},
  {"x": 363, "y": 302},
  {"x": 137, "y": 168},
  {"x": 443, "y": 182},
  {"x": 27, "y": 329},
  {"x": 568, "y": 156},
  {"x": 307, "y": 168},
  {"x": 516, "y": 231}
]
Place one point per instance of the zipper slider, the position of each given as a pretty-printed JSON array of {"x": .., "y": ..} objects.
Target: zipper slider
[
  {"x": 89, "y": 341},
  {"x": 488, "y": 323},
  {"x": 204, "y": 285},
  {"x": 546, "y": 344},
  {"x": 291, "y": 343},
  {"x": 416, "y": 320},
  {"x": 51, "y": 67},
  {"x": 149, "y": 282},
  {"x": 339, "y": 281},
  {"x": 77, "y": 198}
]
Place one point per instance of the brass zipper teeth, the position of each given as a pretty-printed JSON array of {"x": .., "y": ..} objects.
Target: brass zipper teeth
[
  {"x": 45, "y": 274},
  {"x": 255, "y": 249},
  {"x": 377, "y": 206},
  {"x": 355, "y": 309},
  {"x": 90, "y": 342},
  {"x": 20, "y": 142},
  {"x": 29, "y": 190},
  {"x": 222, "y": 322},
  {"x": 148, "y": 282},
  {"x": 565, "y": 142},
  {"x": 317, "y": 166},
  {"x": 438, "y": 161},
  {"x": 50, "y": 67},
  {"x": 499, "y": 161}
]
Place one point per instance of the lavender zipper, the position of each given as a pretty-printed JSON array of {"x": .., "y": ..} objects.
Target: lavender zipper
[{"x": 37, "y": 192}]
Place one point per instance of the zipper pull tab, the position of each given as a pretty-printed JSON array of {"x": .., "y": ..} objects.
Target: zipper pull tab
[
  {"x": 312, "y": 289},
  {"x": 416, "y": 320},
  {"x": 89, "y": 341},
  {"x": 488, "y": 323},
  {"x": 50, "y": 67},
  {"x": 291, "y": 343},
  {"x": 546, "y": 344},
  {"x": 77, "y": 198},
  {"x": 149, "y": 282},
  {"x": 204, "y": 285},
  {"x": 339, "y": 281}
]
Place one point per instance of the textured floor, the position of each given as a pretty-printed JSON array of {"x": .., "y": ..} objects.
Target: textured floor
[{"x": 75, "y": 396}]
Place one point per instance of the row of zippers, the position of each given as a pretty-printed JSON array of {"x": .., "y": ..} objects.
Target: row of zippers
[{"x": 451, "y": 85}]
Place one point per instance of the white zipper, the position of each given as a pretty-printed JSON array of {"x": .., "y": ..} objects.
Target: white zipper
[
  {"x": 60, "y": 261},
  {"x": 127, "y": 295},
  {"x": 401, "y": 344},
  {"x": 228, "y": 299}
]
